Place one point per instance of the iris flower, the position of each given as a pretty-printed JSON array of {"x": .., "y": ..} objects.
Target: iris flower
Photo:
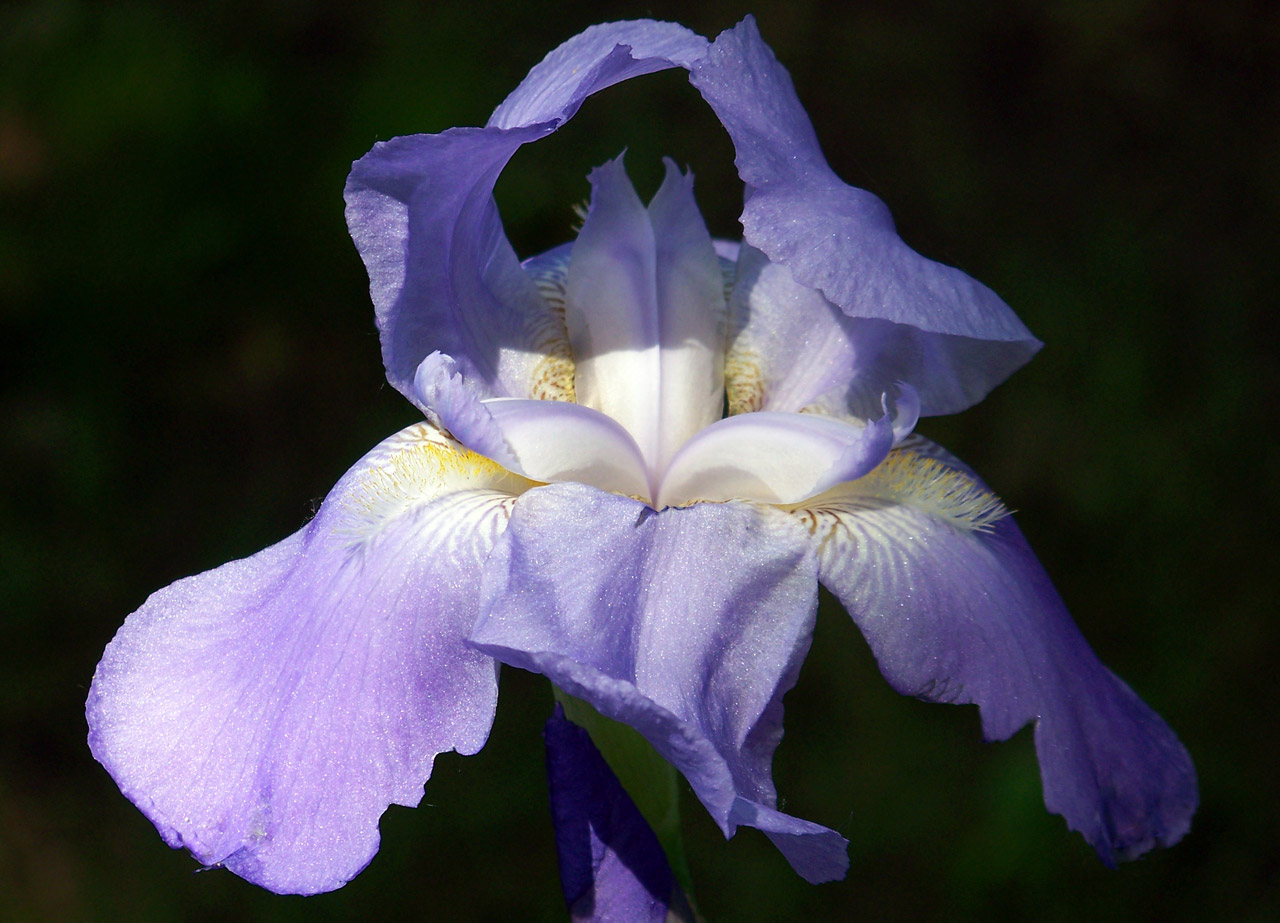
[{"x": 642, "y": 453}]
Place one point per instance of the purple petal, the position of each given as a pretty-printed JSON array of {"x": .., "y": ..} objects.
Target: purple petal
[
  {"x": 968, "y": 615},
  {"x": 791, "y": 349},
  {"x": 264, "y": 714},
  {"x": 592, "y": 60},
  {"x": 840, "y": 240},
  {"x": 611, "y": 864},
  {"x": 442, "y": 274},
  {"x": 689, "y": 625}
]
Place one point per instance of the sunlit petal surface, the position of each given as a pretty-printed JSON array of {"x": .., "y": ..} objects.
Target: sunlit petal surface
[{"x": 264, "y": 714}]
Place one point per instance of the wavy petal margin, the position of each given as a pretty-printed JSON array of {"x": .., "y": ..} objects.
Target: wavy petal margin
[
  {"x": 839, "y": 240},
  {"x": 265, "y": 713},
  {"x": 957, "y": 609}
]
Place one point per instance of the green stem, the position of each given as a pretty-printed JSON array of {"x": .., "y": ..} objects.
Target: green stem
[{"x": 652, "y": 782}]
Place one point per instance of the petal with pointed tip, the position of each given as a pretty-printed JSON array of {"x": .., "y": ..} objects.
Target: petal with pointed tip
[{"x": 791, "y": 349}]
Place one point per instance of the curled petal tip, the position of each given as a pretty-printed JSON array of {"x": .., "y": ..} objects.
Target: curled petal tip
[{"x": 905, "y": 412}]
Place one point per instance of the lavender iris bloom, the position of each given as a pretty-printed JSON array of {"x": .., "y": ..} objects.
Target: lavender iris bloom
[{"x": 575, "y": 505}]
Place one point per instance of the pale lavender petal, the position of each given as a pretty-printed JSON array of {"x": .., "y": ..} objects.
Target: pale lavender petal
[
  {"x": 612, "y": 867},
  {"x": 968, "y": 615},
  {"x": 264, "y": 714},
  {"x": 840, "y": 240},
  {"x": 774, "y": 457},
  {"x": 791, "y": 349},
  {"x": 442, "y": 274},
  {"x": 689, "y": 625},
  {"x": 559, "y": 441}
]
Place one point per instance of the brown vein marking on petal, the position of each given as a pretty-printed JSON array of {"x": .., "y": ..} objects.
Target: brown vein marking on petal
[
  {"x": 553, "y": 376},
  {"x": 903, "y": 479}
]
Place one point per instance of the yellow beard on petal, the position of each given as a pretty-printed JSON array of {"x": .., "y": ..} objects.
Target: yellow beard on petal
[
  {"x": 418, "y": 465},
  {"x": 907, "y": 478}
]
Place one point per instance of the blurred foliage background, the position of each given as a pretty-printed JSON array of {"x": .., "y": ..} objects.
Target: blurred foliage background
[{"x": 189, "y": 363}]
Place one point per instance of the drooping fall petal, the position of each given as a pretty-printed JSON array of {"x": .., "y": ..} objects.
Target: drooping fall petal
[{"x": 264, "y": 714}]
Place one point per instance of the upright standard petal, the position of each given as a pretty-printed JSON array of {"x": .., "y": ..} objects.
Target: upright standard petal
[
  {"x": 689, "y": 625},
  {"x": 644, "y": 309},
  {"x": 840, "y": 240},
  {"x": 264, "y": 714},
  {"x": 442, "y": 273},
  {"x": 612, "y": 867},
  {"x": 957, "y": 609}
]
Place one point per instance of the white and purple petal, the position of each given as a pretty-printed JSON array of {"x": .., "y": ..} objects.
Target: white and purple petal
[
  {"x": 442, "y": 274},
  {"x": 265, "y": 713},
  {"x": 773, "y": 458},
  {"x": 689, "y": 625},
  {"x": 644, "y": 310},
  {"x": 957, "y": 609}
]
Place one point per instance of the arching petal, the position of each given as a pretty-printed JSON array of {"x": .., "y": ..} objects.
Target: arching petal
[
  {"x": 596, "y": 58},
  {"x": 612, "y": 866},
  {"x": 791, "y": 349},
  {"x": 541, "y": 440},
  {"x": 689, "y": 625},
  {"x": 957, "y": 609},
  {"x": 773, "y": 458},
  {"x": 838, "y": 239},
  {"x": 421, "y": 211},
  {"x": 265, "y": 713}
]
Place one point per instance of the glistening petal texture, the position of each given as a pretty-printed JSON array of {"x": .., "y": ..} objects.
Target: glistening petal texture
[
  {"x": 965, "y": 615},
  {"x": 831, "y": 236},
  {"x": 689, "y": 625},
  {"x": 420, "y": 209},
  {"x": 791, "y": 349},
  {"x": 612, "y": 867},
  {"x": 264, "y": 714}
]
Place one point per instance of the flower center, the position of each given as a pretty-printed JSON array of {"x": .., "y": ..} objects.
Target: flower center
[{"x": 645, "y": 312}]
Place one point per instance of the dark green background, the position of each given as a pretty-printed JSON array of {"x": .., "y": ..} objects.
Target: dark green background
[{"x": 189, "y": 363}]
